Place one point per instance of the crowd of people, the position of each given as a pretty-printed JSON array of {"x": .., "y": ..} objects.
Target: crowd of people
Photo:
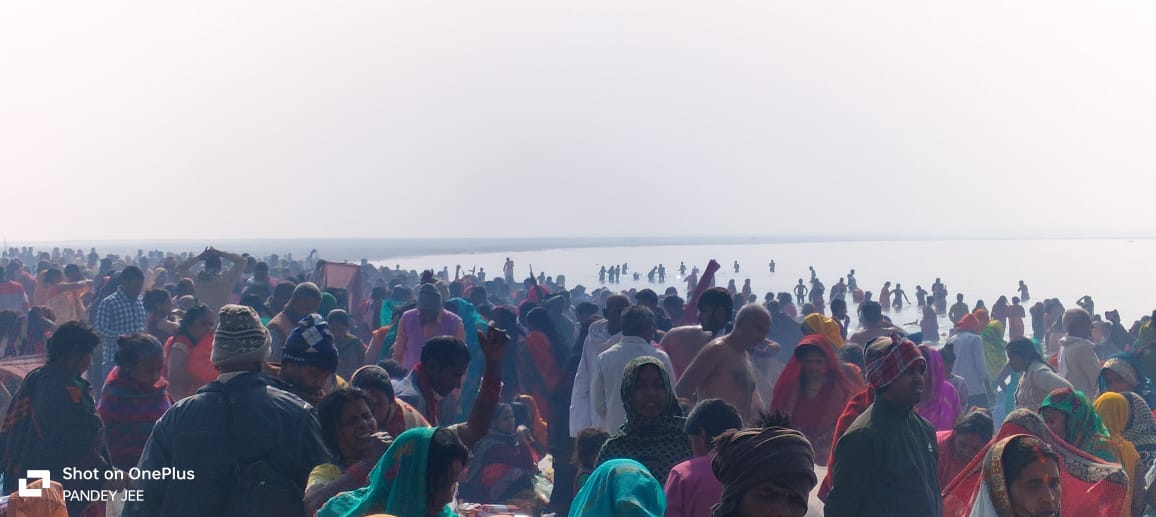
[{"x": 262, "y": 386}]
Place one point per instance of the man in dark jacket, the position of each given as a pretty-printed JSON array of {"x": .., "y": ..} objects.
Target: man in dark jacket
[
  {"x": 238, "y": 446},
  {"x": 885, "y": 464}
]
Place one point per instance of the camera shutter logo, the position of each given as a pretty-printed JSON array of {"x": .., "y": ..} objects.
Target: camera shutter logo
[{"x": 43, "y": 475}]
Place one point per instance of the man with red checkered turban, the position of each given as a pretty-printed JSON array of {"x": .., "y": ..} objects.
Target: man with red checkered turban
[{"x": 885, "y": 464}]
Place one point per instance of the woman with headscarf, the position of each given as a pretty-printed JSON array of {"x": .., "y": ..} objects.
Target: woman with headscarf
[
  {"x": 654, "y": 432},
  {"x": 812, "y": 390},
  {"x": 993, "y": 349},
  {"x": 940, "y": 405},
  {"x": 1013, "y": 469},
  {"x": 1090, "y": 487},
  {"x": 767, "y": 459},
  {"x": 416, "y": 477},
  {"x": 1114, "y": 411},
  {"x": 620, "y": 488},
  {"x": 819, "y": 324},
  {"x": 1123, "y": 373},
  {"x": 981, "y": 314},
  {"x": 1071, "y": 416}
]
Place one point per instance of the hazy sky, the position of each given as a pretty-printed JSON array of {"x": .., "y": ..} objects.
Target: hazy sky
[{"x": 249, "y": 119}]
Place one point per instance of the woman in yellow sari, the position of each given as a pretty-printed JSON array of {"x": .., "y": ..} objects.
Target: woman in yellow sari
[{"x": 1114, "y": 410}]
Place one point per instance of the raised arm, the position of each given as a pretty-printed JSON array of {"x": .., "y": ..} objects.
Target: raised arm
[
  {"x": 493, "y": 345},
  {"x": 704, "y": 282},
  {"x": 184, "y": 267}
]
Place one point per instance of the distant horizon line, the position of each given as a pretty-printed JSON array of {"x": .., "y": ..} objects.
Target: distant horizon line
[
  {"x": 392, "y": 248},
  {"x": 583, "y": 238}
]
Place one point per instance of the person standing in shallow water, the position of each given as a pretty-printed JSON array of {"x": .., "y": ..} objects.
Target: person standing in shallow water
[
  {"x": 800, "y": 293},
  {"x": 1023, "y": 289},
  {"x": 900, "y": 297},
  {"x": 885, "y": 296}
]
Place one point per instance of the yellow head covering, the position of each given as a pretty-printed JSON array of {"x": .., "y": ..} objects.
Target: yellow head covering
[
  {"x": 826, "y": 327},
  {"x": 1114, "y": 411}
]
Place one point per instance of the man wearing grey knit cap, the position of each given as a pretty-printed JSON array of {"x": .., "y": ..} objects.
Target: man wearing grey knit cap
[{"x": 233, "y": 439}]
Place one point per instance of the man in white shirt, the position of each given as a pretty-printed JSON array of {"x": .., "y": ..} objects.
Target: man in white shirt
[
  {"x": 969, "y": 361},
  {"x": 1079, "y": 363},
  {"x": 638, "y": 327},
  {"x": 601, "y": 335}
]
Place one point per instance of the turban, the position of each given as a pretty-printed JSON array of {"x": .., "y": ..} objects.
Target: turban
[
  {"x": 888, "y": 357},
  {"x": 750, "y": 457},
  {"x": 825, "y": 326}
]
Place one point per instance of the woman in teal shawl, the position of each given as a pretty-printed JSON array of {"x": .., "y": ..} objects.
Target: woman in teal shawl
[
  {"x": 416, "y": 477},
  {"x": 1069, "y": 414},
  {"x": 471, "y": 321},
  {"x": 620, "y": 488}
]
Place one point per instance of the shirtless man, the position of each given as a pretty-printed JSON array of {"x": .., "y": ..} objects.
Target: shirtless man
[
  {"x": 682, "y": 344},
  {"x": 1023, "y": 289},
  {"x": 723, "y": 370},
  {"x": 871, "y": 314}
]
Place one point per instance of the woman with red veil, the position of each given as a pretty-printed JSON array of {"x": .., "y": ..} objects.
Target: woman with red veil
[
  {"x": 1091, "y": 487},
  {"x": 813, "y": 389}
]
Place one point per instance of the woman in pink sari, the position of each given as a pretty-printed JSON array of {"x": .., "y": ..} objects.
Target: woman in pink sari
[
  {"x": 941, "y": 403},
  {"x": 1091, "y": 487}
]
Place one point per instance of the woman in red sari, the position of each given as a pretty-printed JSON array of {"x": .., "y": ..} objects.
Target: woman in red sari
[
  {"x": 1090, "y": 486},
  {"x": 813, "y": 390}
]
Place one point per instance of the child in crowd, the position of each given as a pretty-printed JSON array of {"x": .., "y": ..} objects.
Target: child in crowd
[
  {"x": 586, "y": 447},
  {"x": 948, "y": 355}
]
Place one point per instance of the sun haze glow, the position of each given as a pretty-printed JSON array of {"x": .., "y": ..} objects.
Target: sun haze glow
[{"x": 255, "y": 119}]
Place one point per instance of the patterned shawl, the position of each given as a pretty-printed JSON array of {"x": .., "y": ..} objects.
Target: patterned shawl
[
  {"x": 1141, "y": 429},
  {"x": 1083, "y": 427},
  {"x": 1091, "y": 487},
  {"x": 993, "y": 499}
]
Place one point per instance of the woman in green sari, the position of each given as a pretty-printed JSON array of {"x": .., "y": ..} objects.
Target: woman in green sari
[{"x": 416, "y": 477}]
